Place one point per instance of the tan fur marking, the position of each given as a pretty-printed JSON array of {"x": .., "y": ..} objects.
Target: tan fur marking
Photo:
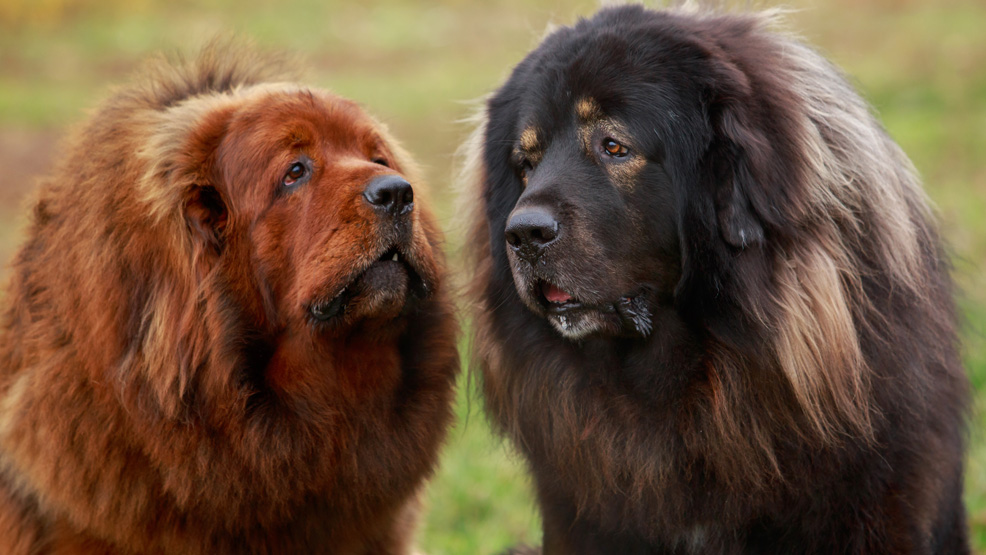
[
  {"x": 591, "y": 131},
  {"x": 529, "y": 140},
  {"x": 588, "y": 109}
]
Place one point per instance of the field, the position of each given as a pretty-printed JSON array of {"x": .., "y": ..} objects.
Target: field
[{"x": 419, "y": 67}]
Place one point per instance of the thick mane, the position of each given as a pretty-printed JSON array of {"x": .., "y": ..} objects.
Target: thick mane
[
  {"x": 138, "y": 349},
  {"x": 858, "y": 237},
  {"x": 220, "y": 68},
  {"x": 848, "y": 294}
]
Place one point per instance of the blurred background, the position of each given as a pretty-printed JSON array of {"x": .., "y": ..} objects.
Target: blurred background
[{"x": 419, "y": 66}]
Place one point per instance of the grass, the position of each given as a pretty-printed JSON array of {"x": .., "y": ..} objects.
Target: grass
[
  {"x": 479, "y": 481},
  {"x": 921, "y": 64}
]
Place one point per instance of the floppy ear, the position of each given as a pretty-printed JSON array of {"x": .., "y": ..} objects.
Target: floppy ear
[
  {"x": 206, "y": 214},
  {"x": 736, "y": 150},
  {"x": 182, "y": 184},
  {"x": 739, "y": 225},
  {"x": 182, "y": 192},
  {"x": 728, "y": 211}
]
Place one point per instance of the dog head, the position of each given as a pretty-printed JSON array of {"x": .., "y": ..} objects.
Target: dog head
[
  {"x": 626, "y": 173},
  {"x": 305, "y": 197}
]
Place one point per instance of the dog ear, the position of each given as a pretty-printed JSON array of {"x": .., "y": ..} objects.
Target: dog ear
[
  {"x": 182, "y": 184},
  {"x": 734, "y": 156},
  {"x": 206, "y": 214},
  {"x": 738, "y": 222}
]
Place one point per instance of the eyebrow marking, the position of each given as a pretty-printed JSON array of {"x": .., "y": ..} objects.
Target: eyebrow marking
[
  {"x": 529, "y": 140},
  {"x": 588, "y": 109}
]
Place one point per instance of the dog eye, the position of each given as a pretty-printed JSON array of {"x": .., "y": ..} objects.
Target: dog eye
[
  {"x": 297, "y": 172},
  {"x": 382, "y": 161},
  {"x": 614, "y": 148}
]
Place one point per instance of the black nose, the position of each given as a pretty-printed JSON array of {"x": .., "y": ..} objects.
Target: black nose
[
  {"x": 530, "y": 231},
  {"x": 390, "y": 193}
]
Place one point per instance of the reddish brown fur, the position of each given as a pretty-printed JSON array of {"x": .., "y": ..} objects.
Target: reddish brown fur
[{"x": 161, "y": 387}]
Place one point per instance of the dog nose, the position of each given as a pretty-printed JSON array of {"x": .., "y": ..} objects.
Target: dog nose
[
  {"x": 530, "y": 231},
  {"x": 390, "y": 193}
]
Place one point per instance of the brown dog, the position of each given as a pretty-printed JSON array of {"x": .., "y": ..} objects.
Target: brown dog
[{"x": 227, "y": 330}]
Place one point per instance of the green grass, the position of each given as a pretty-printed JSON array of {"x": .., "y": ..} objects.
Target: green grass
[
  {"x": 480, "y": 480},
  {"x": 921, "y": 64}
]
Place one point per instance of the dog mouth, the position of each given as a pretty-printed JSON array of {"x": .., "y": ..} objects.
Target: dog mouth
[
  {"x": 556, "y": 300},
  {"x": 388, "y": 287},
  {"x": 630, "y": 314}
]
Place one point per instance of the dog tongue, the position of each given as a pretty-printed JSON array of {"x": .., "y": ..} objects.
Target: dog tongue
[{"x": 555, "y": 295}]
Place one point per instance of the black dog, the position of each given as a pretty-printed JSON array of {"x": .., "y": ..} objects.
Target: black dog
[{"x": 713, "y": 310}]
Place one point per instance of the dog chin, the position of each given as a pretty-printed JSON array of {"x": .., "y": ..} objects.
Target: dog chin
[
  {"x": 576, "y": 326},
  {"x": 573, "y": 323}
]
